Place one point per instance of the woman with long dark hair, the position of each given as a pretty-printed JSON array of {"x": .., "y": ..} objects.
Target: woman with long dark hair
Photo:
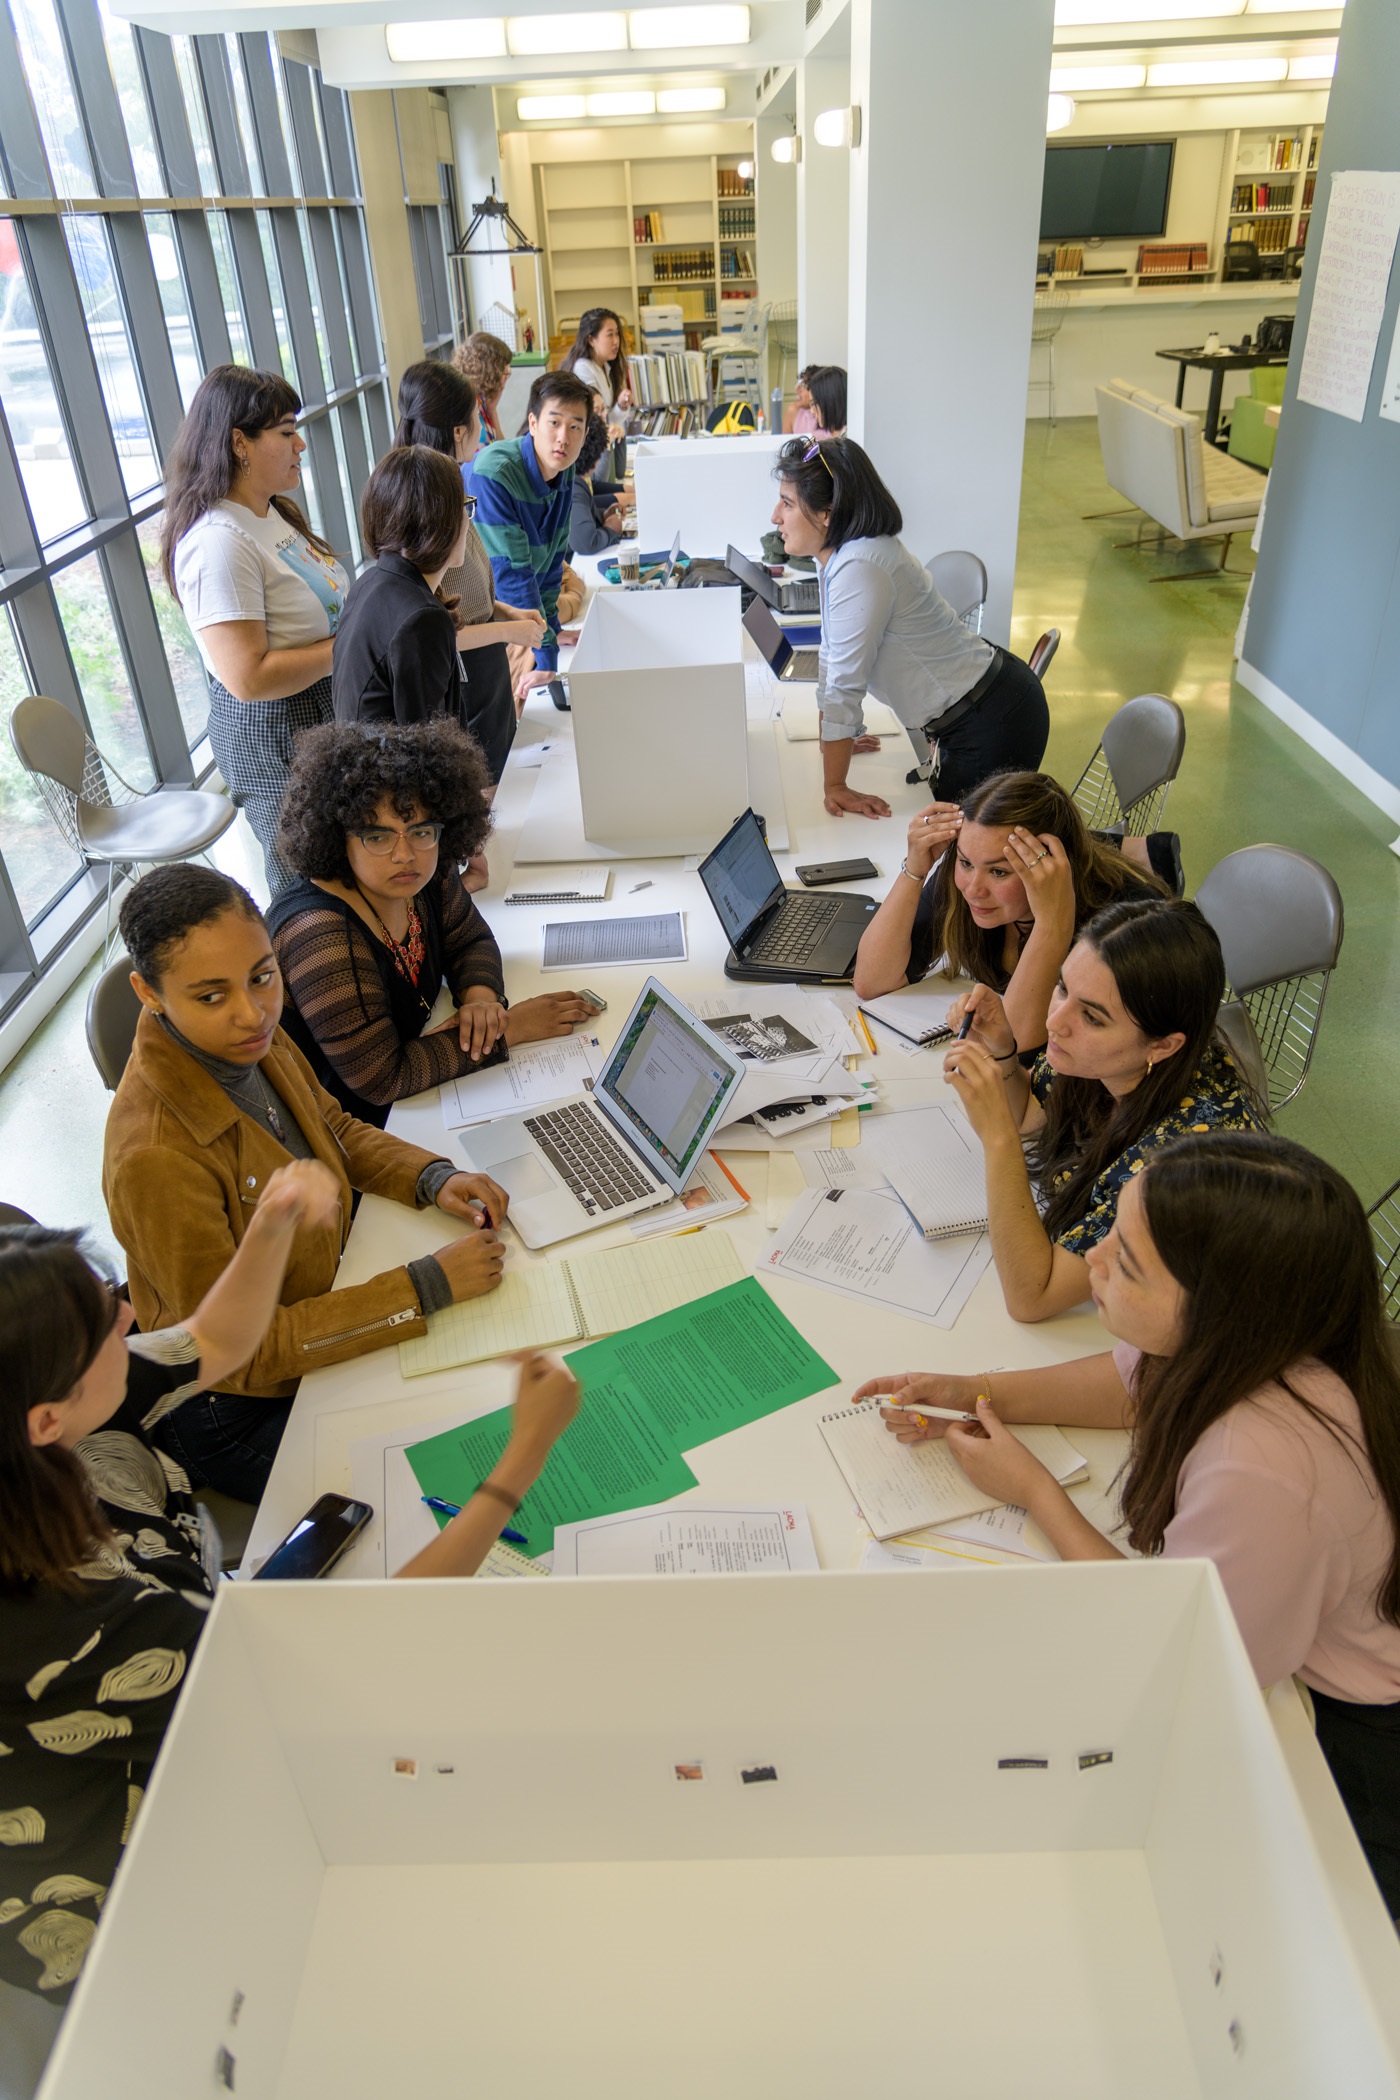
[
  {"x": 1133, "y": 1060},
  {"x": 1255, "y": 1379},
  {"x": 826, "y": 389},
  {"x": 997, "y": 886},
  {"x": 596, "y": 357},
  {"x": 969, "y": 708},
  {"x": 262, "y": 592}
]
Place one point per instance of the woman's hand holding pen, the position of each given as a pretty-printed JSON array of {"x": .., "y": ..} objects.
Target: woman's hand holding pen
[
  {"x": 925, "y": 1389},
  {"x": 990, "y": 1030}
]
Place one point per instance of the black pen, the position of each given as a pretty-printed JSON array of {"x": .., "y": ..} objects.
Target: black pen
[{"x": 966, "y": 1029}]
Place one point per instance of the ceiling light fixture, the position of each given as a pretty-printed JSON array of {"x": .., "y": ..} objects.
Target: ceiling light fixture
[
  {"x": 1313, "y": 68},
  {"x": 837, "y": 127},
  {"x": 1291, "y": 7},
  {"x": 410, "y": 43},
  {"x": 549, "y": 109},
  {"x": 542, "y": 36},
  {"x": 1217, "y": 72},
  {"x": 1070, "y": 14},
  {"x": 623, "y": 102},
  {"x": 786, "y": 150},
  {"x": 687, "y": 28},
  {"x": 1083, "y": 80},
  {"x": 690, "y": 102}
]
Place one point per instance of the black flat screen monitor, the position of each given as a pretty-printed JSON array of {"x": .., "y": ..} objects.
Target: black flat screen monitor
[{"x": 1111, "y": 192}]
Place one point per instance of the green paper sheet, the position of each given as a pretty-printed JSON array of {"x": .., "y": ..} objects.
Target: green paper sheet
[{"x": 648, "y": 1394}]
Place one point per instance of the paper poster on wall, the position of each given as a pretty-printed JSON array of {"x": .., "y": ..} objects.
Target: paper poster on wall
[
  {"x": 1390, "y": 392},
  {"x": 1353, "y": 271}
]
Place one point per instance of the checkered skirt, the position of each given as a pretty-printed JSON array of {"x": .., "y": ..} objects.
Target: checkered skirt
[{"x": 253, "y": 740}]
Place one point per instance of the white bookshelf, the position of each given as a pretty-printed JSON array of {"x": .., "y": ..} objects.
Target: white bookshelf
[{"x": 1253, "y": 158}]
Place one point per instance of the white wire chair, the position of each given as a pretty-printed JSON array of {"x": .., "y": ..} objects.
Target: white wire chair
[
  {"x": 1046, "y": 323},
  {"x": 782, "y": 334},
  {"x": 1384, "y": 1220},
  {"x": 1279, "y": 917},
  {"x": 1139, "y": 756},
  {"x": 1043, "y": 654}
]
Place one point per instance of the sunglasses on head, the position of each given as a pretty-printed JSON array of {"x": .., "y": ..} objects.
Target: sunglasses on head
[{"x": 814, "y": 451}]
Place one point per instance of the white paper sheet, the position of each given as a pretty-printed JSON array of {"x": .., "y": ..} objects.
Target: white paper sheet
[
  {"x": 536, "y": 1074},
  {"x": 854, "y": 1168},
  {"x": 688, "y": 1538},
  {"x": 881, "y": 1555},
  {"x": 934, "y": 1162},
  {"x": 864, "y": 1244},
  {"x": 402, "y": 1524},
  {"x": 1349, "y": 290}
]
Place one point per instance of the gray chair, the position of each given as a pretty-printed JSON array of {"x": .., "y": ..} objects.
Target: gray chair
[
  {"x": 782, "y": 336},
  {"x": 234, "y": 1521},
  {"x": 102, "y": 817},
  {"x": 1279, "y": 918},
  {"x": 1384, "y": 1220},
  {"x": 1042, "y": 656},
  {"x": 961, "y": 578},
  {"x": 1139, "y": 756},
  {"x": 11, "y": 1214},
  {"x": 113, "y": 1011}
]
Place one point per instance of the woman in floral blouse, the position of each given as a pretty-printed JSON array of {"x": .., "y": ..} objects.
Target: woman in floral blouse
[{"x": 1133, "y": 1060}]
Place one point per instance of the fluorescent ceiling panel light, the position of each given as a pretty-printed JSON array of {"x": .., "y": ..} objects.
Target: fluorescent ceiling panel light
[
  {"x": 625, "y": 102},
  {"x": 1217, "y": 72},
  {"x": 686, "y": 28},
  {"x": 1059, "y": 112},
  {"x": 537, "y": 109},
  {"x": 1082, "y": 80},
  {"x": 689, "y": 102},
  {"x": 541, "y": 36},
  {"x": 408, "y": 42},
  {"x": 1312, "y": 68},
  {"x": 1070, "y": 14}
]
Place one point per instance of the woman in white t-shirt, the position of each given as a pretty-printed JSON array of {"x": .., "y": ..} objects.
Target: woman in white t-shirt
[
  {"x": 595, "y": 356},
  {"x": 261, "y": 591}
]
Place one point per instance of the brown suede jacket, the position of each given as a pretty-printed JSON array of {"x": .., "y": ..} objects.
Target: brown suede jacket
[{"x": 182, "y": 1172}]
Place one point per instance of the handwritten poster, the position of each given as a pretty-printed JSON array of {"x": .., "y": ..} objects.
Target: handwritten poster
[{"x": 1353, "y": 271}]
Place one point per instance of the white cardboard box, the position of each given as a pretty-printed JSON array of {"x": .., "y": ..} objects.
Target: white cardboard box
[
  {"x": 544, "y": 1906},
  {"x": 660, "y": 723},
  {"x": 713, "y": 494}
]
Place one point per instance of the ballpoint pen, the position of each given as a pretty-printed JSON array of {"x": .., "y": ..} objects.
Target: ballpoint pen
[
  {"x": 966, "y": 1027},
  {"x": 454, "y": 1509},
  {"x": 911, "y": 1407}
]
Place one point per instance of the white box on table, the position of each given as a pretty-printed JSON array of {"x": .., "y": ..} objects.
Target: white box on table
[
  {"x": 660, "y": 725},
  {"x": 544, "y": 1904},
  {"x": 714, "y": 494}
]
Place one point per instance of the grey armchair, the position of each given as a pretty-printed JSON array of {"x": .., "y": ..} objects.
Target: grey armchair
[{"x": 1139, "y": 756}]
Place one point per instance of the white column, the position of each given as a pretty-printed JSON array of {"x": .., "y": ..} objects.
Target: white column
[
  {"x": 474, "y": 143},
  {"x": 945, "y": 210},
  {"x": 823, "y": 216}
]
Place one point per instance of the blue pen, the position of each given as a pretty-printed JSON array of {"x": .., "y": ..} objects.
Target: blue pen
[{"x": 454, "y": 1509}]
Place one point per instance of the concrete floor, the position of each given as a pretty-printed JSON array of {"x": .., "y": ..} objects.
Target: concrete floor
[{"x": 1245, "y": 778}]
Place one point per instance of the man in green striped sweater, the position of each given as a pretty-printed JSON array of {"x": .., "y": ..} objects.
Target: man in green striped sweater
[{"x": 524, "y": 494}]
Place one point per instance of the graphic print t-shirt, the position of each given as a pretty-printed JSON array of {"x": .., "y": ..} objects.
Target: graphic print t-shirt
[{"x": 231, "y": 565}]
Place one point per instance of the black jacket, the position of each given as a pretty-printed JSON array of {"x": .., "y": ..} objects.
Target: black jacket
[{"x": 395, "y": 656}]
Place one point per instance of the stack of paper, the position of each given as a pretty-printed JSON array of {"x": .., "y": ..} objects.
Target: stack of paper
[
  {"x": 534, "y": 1076},
  {"x": 901, "y": 1487},
  {"x": 689, "y": 1538},
  {"x": 864, "y": 1244}
]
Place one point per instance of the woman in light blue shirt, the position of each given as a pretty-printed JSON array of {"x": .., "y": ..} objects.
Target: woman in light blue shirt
[{"x": 970, "y": 708}]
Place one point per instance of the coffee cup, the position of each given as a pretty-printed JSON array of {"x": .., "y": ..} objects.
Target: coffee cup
[
  {"x": 629, "y": 565},
  {"x": 1211, "y": 344}
]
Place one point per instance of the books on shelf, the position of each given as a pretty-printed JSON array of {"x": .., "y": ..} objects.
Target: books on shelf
[
  {"x": 1069, "y": 261},
  {"x": 737, "y": 262},
  {"x": 646, "y": 226},
  {"x": 736, "y": 222},
  {"x": 679, "y": 265},
  {"x": 1158, "y": 257},
  {"x": 674, "y": 376},
  {"x": 730, "y": 183}
]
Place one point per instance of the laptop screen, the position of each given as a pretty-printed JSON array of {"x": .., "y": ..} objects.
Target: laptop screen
[
  {"x": 741, "y": 877},
  {"x": 669, "y": 567},
  {"x": 750, "y": 573},
  {"x": 667, "y": 1082},
  {"x": 769, "y": 637}
]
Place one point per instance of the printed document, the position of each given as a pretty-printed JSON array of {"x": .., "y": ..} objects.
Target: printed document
[
  {"x": 688, "y": 1538},
  {"x": 534, "y": 1075},
  {"x": 863, "y": 1244}
]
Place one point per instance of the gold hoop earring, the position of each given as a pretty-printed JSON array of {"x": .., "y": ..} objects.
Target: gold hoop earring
[{"x": 1149, "y": 1068}]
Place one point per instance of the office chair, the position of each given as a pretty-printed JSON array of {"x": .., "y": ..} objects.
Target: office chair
[
  {"x": 1241, "y": 259},
  {"x": 1279, "y": 917},
  {"x": 113, "y": 1011},
  {"x": 1384, "y": 1220},
  {"x": 1048, "y": 318},
  {"x": 961, "y": 578},
  {"x": 1043, "y": 653},
  {"x": 1139, "y": 756}
]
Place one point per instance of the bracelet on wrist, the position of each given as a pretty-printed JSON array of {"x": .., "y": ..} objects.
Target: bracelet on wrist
[
  {"x": 905, "y": 869},
  {"x": 1005, "y": 1057},
  {"x": 499, "y": 1494}
]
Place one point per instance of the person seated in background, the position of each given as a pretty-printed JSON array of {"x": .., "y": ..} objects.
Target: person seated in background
[
  {"x": 375, "y": 825},
  {"x": 827, "y": 388},
  {"x": 524, "y": 496},
  {"x": 1255, "y": 1380},
  {"x": 596, "y": 357},
  {"x": 800, "y": 417},
  {"x": 996, "y": 888},
  {"x": 1133, "y": 1060},
  {"x": 972, "y": 708},
  {"x": 438, "y": 408},
  {"x": 108, "y": 1566},
  {"x": 484, "y": 361},
  {"x": 214, "y": 1099},
  {"x": 595, "y": 521}
]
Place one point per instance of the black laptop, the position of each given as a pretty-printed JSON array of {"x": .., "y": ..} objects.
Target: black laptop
[
  {"x": 783, "y": 660},
  {"x": 787, "y": 594},
  {"x": 776, "y": 935}
]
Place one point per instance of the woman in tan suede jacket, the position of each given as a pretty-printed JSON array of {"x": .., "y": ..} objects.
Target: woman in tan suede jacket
[{"x": 213, "y": 1100}]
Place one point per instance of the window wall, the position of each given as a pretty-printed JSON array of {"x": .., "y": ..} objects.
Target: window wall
[{"x": 166, "y": 204}]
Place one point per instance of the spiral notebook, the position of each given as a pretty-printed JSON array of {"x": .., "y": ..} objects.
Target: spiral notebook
[
  {"x": 901, "y": 1487},
  {"x": 563, "y": 886},
  {"x": 915, "y": 1012},
  {"x": 933, "y": 1160}
]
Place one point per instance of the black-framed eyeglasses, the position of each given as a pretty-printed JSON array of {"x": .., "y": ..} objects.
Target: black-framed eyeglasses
[
  {"x": 423, "y": 838},
  {"x": 814, "y": 451}
]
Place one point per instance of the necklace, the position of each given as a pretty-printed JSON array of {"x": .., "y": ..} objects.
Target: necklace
[
  {"x": 408, "y": 953},
  {"x": 269, "y": 1106}
]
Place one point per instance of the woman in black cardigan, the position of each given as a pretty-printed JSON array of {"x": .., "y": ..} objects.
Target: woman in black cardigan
[
  {"x": 375, "y": 822},
  {"x": 396, "y": 647}
]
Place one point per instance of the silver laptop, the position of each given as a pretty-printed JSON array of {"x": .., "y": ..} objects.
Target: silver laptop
[
  {"x": 795, "y": 666},
  {"x": 630, "y": 1144},
  {"x": 787, "y": 594}
]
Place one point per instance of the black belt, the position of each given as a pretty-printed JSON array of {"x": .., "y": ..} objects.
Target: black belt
[{"x": 949, "y": 719}]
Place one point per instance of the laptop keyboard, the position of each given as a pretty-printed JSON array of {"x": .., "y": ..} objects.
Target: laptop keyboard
[
  {"x": 804, "y": 663},
  {"x": 795, "y": 931},
  {"x": 595, "y": 1168},
  {"x": 802, "y": 597}
]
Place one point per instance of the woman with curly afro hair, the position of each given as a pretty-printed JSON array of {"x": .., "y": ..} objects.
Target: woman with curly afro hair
[{"x": 376, "y": 821}]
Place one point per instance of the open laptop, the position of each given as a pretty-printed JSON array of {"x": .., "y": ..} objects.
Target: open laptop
[
  {"x": 776, "y": 935},
  {"x": 663, "y": 579},
  {"x": 789, "y": 594},
  {"x": 632, "y": 1143},
  {"x": 795, "y": 665}
]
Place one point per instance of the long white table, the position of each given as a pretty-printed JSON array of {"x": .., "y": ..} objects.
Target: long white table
[{"x": 784, "y": 1456}]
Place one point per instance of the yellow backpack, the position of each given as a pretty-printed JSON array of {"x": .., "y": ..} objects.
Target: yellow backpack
[{"x": 736, "y": 420}]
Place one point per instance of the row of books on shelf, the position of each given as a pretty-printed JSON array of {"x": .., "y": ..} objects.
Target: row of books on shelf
[
  {"x": 677, "y": 265},
  {"x": 1262, "y": 196},
  {"x": 1285, "y": 150},
  {"x": 646, "y": 226},
  {"x": 676, "y": 375},
  {"x": 730, "y": 183},
  {"x": 735, "y": 221},
  {"x": 1159, "y": 257},
  {"x": 737, "y": 262},
  {"x": 1266, "y": 239},
  {"x": 667, "y": 422}
]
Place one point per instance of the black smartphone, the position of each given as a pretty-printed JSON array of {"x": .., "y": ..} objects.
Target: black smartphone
[
  {"x": 313, "y": 1546},
  {"x": 819, "y": 873}
]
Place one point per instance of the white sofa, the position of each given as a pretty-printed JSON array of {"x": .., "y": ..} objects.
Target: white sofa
[{"x": 1154, "y": 455}]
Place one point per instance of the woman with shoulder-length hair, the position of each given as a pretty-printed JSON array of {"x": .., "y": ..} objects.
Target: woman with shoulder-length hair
[
  {"x": 997, "y": 887},
  {"x": 596, "y": 357},
  {"x": 484, "y": 361},
  {"x": 262, "y": 592},
  {"x": 1256, "y": 1382},
  {"x": 1133, "y": 1060},
  {"x": 969, "y": 707},
  {"x": 826, "y": 389}
]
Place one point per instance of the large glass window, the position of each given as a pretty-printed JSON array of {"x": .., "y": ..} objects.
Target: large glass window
[
  {"x": 38, "y": 859},
  {"x": 89, "y": 245},
  {"x": 228, "y": 286},
  {"x": 186, "y": 663},
  {"x": 55, "y": 104},
  {"x": 131, "y": 96},
  {"x": 175, "y": 301},
  {"x": 30, "y": 399},
  {"x": 86, "y": 612}
]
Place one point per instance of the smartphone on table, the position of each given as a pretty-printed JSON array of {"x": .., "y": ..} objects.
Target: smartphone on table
[
  {"x": 817, "y": 874},
  {"x": 314, "y": 1545}
]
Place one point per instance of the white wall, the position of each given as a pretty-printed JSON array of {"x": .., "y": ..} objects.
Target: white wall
[
  {"x": 823, "y": 218},
  {"x": 473, "y": 118}
]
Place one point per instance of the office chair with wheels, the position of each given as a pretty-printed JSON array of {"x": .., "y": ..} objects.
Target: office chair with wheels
[
  {"x": 1279, "y": 917},
  {"x": 1384, "y": 1220},
  {"x": 113, "y": 1011},
  {"x": 961, "y": 578},
  {"x": 1042, "y": 655},
  {"x": 102, "y": 816},
  {"x": 1139, "y": 756}
]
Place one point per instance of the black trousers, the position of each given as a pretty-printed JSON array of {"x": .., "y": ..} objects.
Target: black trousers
[
  {"x": 1007, "y": 731},
  {"x": 1362, "y": 1747},
  {"x": 489, "y": 704}
]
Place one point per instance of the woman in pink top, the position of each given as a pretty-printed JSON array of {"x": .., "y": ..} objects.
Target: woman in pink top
[{"x": 1263, "y": 1404}]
